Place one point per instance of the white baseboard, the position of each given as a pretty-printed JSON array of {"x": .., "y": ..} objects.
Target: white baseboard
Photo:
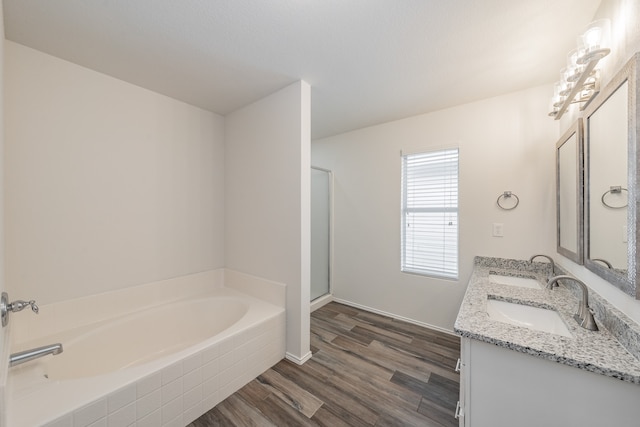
[
  {"x": 298, "y": 360},
  {"x": 319, "y": 302},
  {"x": 395, "y": 316}
]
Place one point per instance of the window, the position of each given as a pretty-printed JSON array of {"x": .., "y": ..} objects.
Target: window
[{"x": 430, "y": 213}]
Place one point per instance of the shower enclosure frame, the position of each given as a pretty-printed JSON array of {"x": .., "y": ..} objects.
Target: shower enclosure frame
[{"x": 320, "y": 300}]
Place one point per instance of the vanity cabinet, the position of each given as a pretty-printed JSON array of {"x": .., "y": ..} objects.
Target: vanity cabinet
[
  {"x": 504, "y": 388},
  {"x": 462, "y": 368}
]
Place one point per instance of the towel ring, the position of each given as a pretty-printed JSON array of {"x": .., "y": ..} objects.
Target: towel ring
[
  {"x": 507, "y": 195},
  {"x": 614, "y": 190}
]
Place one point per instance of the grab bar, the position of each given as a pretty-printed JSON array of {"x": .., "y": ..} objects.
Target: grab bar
[{"x": 34, "y": 353}]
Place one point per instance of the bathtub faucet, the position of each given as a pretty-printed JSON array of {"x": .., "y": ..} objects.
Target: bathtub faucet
[
  {"x": 34, "y": 353},
  {"x": 6, "y": 307}
]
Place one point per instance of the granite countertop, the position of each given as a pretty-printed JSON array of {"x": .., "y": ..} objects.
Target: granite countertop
[{"x": 595, "y": 351}]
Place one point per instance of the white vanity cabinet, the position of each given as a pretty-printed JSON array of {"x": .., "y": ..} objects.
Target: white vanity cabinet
[
  {"x": 504, "y": 388},
  {"x": 462, "y": 368}
]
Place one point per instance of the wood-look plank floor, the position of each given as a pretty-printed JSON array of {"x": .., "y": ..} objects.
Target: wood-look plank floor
[{"x": 366, "y": 370}]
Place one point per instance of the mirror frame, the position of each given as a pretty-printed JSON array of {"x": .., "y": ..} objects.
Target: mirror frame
[
  {"x": 628, "y": 283},
  {"x": 575, "y": 129}
]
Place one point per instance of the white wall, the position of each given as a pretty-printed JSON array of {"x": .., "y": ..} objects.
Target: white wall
[
  {"x": 107, "y": 185},
  {"x": 625, "y": 28},
  {"x": 267, "y": 174},
  {"x": 506, "y": 143}
]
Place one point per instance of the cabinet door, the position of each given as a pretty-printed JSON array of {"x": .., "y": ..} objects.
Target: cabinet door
[{"x": 463, "y": 367}]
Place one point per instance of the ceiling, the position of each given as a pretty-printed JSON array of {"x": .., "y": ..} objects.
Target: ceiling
[{"x": 368, "y": 61}]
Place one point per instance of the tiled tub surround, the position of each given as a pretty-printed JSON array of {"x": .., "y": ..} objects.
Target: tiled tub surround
[
  {"x": 172, "y": 388},
  {"x": 599, "y": 352}
]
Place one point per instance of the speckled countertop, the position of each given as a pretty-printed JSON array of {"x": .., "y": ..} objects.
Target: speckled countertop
[{"x": 595, "y": 351}]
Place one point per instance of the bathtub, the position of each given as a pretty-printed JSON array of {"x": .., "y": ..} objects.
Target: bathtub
[{"x": 161, "y": 365}]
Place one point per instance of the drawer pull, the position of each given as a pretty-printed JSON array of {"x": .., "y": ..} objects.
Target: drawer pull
[
  {"x": 458, "y": 365},
  {"x": 459, "y": 413}
]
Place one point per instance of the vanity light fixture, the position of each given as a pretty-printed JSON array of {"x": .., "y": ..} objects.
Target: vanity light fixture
[{"x": 580, "y": 80}]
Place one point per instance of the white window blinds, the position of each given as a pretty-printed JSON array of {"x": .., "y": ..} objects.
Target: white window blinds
[{"x": 430, "y": 213}]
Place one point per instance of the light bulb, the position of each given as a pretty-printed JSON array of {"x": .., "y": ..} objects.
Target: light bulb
[
  {"x": 558, "y": 98},
  {"x": 574, "y": 70},
  {"x": 594, "y": 43},
  {"x": 565, "y": 85}
]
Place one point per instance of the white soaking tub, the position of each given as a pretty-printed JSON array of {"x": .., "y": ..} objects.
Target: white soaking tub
[{"x": 163, "y": 365}]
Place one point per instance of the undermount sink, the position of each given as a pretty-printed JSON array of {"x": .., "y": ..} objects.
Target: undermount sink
[
  {"x": 523, "y": 282},
  {"x": 539, "y": 319}
]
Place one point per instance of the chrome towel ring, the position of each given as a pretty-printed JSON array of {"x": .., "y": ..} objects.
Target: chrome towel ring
[
  {"x": 503, "y": 197},
  {"x": 614, "y": 190}
]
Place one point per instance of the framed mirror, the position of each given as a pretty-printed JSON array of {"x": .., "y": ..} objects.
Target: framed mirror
[
  {"x": 569, "y": 193},
  {"x": 611, "y": 177}
]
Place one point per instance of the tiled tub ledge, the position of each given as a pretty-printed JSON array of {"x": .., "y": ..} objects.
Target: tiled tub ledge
[
  {"x": 612, "y": 351},
  {"x": 169, "y": 352}
]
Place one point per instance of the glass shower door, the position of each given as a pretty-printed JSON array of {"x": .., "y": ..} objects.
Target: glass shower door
[{"x": 320, "y": 232}]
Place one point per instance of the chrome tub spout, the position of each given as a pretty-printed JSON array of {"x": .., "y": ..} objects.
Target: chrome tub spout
[{"x": 34, "y": 353}]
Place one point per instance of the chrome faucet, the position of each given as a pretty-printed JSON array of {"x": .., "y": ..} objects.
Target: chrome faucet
[
  {"x": 6, "y": 307},
  {"x": 604, "y": 261},
  {"x": 553, "y": 265},
  {"x": 584, "y": 316},
  {"x": 34, "y": 353}
]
